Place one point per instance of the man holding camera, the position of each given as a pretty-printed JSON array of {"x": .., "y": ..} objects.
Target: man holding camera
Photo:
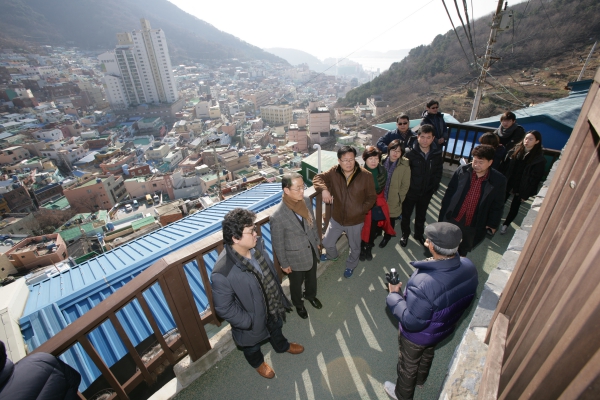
[{"x": 439, "y": 291}]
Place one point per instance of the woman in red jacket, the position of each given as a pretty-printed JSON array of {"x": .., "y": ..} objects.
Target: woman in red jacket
[{"x": 379, "y": 216}]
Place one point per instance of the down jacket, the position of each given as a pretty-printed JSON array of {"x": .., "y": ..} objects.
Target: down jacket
[
  {"x": 436, "y": 295},
  {"x": 532, "y": 175},
  {"x": 351, "y": 202},
  {"x": 438, "y": 123},
  {"x": 239, "y": 298},
  {"x": 39, "y": 376},
  {"x": 425, "y": 174}
]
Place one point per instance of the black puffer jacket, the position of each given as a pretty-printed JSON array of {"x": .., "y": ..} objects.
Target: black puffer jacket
[
  {"x": 439, "y": 125},
  {"x": 425, "y": 174},
  {"x": 532, "y": 175},
  {"x": 39, "y": 376},
  {"x": 240, "y": 299}
]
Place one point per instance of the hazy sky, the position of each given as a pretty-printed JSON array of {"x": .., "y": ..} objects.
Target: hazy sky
[{"x": 333, "y": 28}]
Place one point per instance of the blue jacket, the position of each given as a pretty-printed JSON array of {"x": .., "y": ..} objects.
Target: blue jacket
[
  {"x": 439, "y": 125},
  {"x": 436, "y": 295},
  {"x": 385, "y": 140}
]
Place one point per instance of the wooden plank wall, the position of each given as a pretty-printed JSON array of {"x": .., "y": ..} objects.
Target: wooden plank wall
[{"x": 552, "y": 300}]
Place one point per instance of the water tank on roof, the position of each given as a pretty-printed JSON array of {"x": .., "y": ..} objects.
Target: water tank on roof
[
  {"x": 257, "y": 156},
  {"x": 110, "y": 226},
  {"x": 125, "y": 168},
  {"x": 15, "y": 178},
  {"x": 259, "y": 164},
  {"x": 295, "y": 153},
  {"x": 98, "y": 180},
  {"x": 51, "y": 246},
  {"x": 240, "y": 153},
  {"x": 281, "y": 171},
  {"x": 244, "y": 179}
]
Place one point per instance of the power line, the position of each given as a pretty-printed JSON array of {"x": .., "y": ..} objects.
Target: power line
[
  {"x": 467, "y": 32},
  {"x": 456, "y": 33}
]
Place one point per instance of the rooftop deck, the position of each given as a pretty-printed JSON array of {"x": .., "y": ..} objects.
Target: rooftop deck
[{"x": 351, "y": 344}]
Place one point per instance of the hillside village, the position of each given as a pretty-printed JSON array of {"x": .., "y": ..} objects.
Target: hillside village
[{"x": 93, "y": 163}]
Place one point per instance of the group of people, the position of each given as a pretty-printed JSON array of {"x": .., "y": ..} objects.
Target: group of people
[{"x": 400, "y": 175}]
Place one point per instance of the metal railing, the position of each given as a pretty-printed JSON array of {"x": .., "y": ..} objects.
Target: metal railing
[{"x": 168, "y": 272}]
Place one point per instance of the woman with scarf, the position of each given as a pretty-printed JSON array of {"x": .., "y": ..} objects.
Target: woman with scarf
[
  {"x": 526, "y": 165},
  {"x": 379, "y": 216},
  {"x": 397, "y": 183}
]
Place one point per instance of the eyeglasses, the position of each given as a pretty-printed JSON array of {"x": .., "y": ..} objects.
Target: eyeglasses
[
  {"x": 402, "y": 123},
  {"x": 348, "y": 160},
  {"x": 299, "y": 189},
  {"x": 253, "y": 232}
]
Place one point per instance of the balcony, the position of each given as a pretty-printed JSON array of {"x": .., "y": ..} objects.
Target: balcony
[{"x": 351, "y": 344}]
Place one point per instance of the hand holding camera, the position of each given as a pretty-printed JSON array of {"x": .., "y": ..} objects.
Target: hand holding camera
[{"x": 392, "y": 277}]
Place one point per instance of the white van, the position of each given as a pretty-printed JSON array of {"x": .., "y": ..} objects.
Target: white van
[
  {"x": 135, "y": 204},
  {"x": 156, "y": 199}
]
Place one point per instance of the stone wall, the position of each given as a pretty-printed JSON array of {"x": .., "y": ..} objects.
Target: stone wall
[{"x": 466, "y": 366}]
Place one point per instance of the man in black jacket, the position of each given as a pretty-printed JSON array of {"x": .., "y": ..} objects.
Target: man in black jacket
[
  {"x": 402, "y": 133},
  {"x": 474, "y": 200},
  {"x": 247, "y": 292},
  {"x": 426, "y": 167},
  {"x": 432, "y": 116},
  {"x": 39, "y": 376}
]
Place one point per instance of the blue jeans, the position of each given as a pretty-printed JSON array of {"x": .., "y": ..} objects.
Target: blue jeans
[{"x": 280, "y": 344}]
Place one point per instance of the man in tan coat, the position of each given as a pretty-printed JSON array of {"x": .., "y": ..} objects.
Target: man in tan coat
[{"x": 351, "y": 190}]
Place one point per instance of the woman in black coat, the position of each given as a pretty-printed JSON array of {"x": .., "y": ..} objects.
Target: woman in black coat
[{"x": 526, "y": 167}]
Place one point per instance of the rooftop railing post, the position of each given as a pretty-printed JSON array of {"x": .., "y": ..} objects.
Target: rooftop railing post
[{"x": 180, "y": 299}]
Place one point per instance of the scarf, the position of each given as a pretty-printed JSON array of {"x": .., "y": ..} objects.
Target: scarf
[
  {"x": 390, "y": 167},
  {"x": 379, "y": 176},
  {"x": 506, "y": 133},
  {"x": 299, "y": 207},
  {"x": 267, "y": 281}
]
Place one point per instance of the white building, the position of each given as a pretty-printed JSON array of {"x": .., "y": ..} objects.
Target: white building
[
  {"x": 48, "y": 134},
  {"x": 202, "y": 109},
  {"x": 139, "y": 70}
]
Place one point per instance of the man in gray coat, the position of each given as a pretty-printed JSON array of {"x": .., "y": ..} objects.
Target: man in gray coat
[
  {"x": 296, "y": 242},
  {"x": 247, "y": 292}
]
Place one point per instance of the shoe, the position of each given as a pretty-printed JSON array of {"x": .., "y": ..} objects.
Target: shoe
[
  {"x": 384, "y": 241},
  {"x": 295, "y": 348},
  {"x": 390, "y": 389},
  {"x": 315, "y": 303},
  {"x": 403, "y": 241},
  {"x": 348, "y": 272},
  {"x": 324, "y": 258},
  {"x": 265, "y": 371},
  {"x": 421, "y": 240},
  {"x": 302, "y": 312},
  {"x": 368, "y": 255},
  {"x": 503, "y": 229},
  {"x": 363, "y": 250}
]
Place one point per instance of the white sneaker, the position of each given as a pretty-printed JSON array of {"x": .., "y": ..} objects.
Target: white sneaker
[
  {"x": 503, "y": 229},
  {"x": 390, "y": 389}
]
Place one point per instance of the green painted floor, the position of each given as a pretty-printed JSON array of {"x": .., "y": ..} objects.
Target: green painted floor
[{"x": 351, "y": 344}]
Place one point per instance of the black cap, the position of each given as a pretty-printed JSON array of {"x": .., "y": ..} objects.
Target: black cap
[{"x": 444, "y": 235}]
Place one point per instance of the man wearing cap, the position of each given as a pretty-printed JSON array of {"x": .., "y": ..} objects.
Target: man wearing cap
[{"x": 436, "y": 296}]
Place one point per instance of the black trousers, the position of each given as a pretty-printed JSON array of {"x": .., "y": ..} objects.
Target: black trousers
[
  {"x": 280, "y": 344},
  {"x": 309, "y": 278},
  {"x": 414, "y": 363},
  {"x": 420, "y": 204},
  {"x": 393, "y": 224},
  {"x": 514, "y": 209},
  {"x": 468, "y": 237}
]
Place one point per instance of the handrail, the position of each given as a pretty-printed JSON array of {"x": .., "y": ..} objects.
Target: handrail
[{"x": 169, "y": 273}]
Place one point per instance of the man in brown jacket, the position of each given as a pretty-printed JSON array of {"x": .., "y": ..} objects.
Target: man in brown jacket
[{"x": 353, "y": 189}]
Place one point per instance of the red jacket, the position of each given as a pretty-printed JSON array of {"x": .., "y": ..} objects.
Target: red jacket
[{"x": 385, "y": 224}]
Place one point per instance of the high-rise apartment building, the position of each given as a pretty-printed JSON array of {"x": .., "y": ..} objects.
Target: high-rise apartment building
[{"x": 139, "y": 70}]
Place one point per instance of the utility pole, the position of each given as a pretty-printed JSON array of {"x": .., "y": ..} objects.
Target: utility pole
[
  {"x": 212, "y": 144},
  {"x": 587, "y": 61},
  {"x": 496, "y": 26}
]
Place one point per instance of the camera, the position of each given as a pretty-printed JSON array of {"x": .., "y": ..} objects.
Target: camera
[{"x": 392, "y": 277}]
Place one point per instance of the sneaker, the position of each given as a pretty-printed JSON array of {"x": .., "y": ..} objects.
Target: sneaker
[
  {"x": 348, "y": 272},
  {"x": 324, "y": 258},
  {"x": 390, "y": 389},
  {"x": 503, "y": 229}
]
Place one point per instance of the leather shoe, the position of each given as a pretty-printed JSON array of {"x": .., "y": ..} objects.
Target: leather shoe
[
  {"x": 302, "y": 312},
  {"x": 315, "y": 303},
  {"x": 403, "y": 241},
  {"x": 384, "y": 242},
  {"x": 265, "y": 371},
  {"x": 421, "y": 240},
  {"x": 295, "y": 348}
]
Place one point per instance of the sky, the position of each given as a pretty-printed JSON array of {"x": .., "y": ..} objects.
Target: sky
[{"x": 333, "y": 28}]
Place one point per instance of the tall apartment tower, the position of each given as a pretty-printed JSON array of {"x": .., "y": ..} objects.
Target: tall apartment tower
[{"x": 139, "y": 69}]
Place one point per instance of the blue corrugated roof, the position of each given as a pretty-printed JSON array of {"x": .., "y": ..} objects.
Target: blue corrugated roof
[
  {"x": 58, "y": 301},
  {"x": 554, "y": 119}
]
